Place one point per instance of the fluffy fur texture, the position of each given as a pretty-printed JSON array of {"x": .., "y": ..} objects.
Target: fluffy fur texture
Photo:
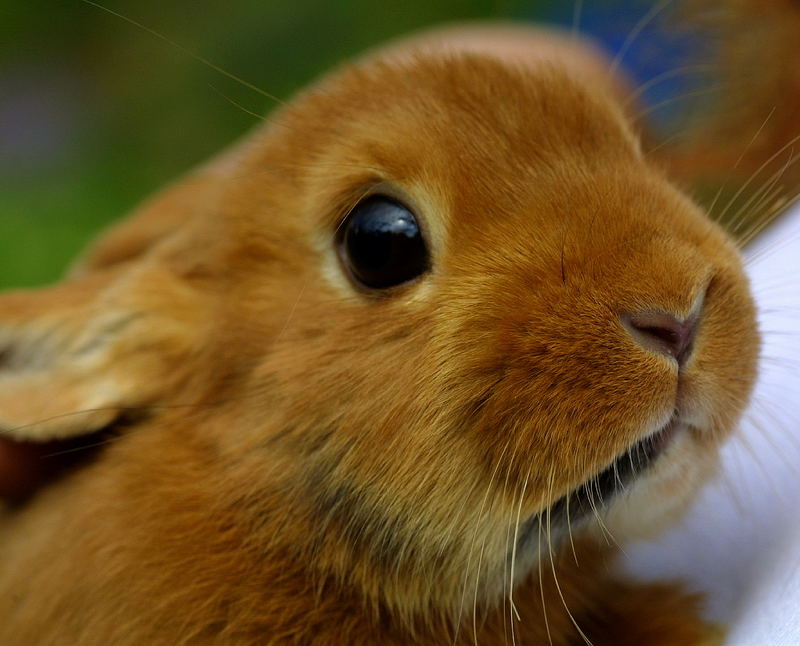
[{"x": 300, "y": 462}]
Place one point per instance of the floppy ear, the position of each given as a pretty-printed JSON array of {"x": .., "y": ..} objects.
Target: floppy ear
[
  {"x": 74, "y": 357},
  {"x": 117, "y": 335}
]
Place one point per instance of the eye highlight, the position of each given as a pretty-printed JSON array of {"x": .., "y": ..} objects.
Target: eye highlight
[{"x": 381, "y": 244}]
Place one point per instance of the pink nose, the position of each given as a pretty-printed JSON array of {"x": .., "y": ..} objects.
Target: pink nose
[{"x": 663, "y": 333}]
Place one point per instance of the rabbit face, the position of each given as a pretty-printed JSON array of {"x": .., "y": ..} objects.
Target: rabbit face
[
  {"x": 502, "y": 384},
  {"x": 565, "y": 338}
]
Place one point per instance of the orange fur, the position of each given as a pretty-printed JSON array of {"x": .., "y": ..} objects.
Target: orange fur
[{"x": 309, "y": 464}]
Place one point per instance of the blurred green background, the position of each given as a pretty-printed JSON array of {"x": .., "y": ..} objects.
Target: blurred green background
[{"x": 96, "y": 113}]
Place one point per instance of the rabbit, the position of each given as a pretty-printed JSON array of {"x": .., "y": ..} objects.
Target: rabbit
[{"x": 403, "y": 366}]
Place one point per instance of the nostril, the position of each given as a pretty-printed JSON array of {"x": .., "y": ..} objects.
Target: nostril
[{"x": 662, "y": 332}]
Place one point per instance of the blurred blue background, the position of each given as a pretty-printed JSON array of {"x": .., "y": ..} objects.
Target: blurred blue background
[{"x": 95, "y": 112}]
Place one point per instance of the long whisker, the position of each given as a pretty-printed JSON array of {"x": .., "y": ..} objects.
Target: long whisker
[
  {"x": 740, "y": 216},
  {"x": 478, "y": 520},
  {"x": 83, "y": 447},
  {"x": 771, "y": 195},
  {"x": 780, "y": 206},
  {"x": 665, "y": 76},
  {"x": 755, "y": 137},
  {"x": 507, "y": 578},
  {"x": 238, "y": 105},
  {"x": 569, "y": 533},
  {"x": 741, "y": 157},
  {"x": 770, "y": 440},
  {"x": 758, "y": 171},
  {"x": 666, "y": 141},
  {"x": 514, "y": 558},
  {"x": 150, "y": 408},
  {"x": 770, "y": 249},
  {"x": 674, "y": 99},
  {"x": 188, "y": 52},
  {"x": 636, "y": 31},
  {"x": 553, "y": 565},
  {"x": 475, "y": 597},
  {"x": 541, "y": 585},
  {"x": 598, "y": 517}
]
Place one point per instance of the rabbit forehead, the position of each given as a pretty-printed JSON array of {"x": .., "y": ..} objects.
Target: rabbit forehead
[
  {"x": 441, "y": 133},
  {"x": 490, "y": 156},
  {"x": 459, "y": 122}
]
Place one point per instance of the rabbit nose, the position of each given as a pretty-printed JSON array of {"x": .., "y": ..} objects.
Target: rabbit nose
[{"x": 662, "y": 332}]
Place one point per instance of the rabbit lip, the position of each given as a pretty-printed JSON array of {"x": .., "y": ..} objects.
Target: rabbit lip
[{"x": 596, "y": 492}]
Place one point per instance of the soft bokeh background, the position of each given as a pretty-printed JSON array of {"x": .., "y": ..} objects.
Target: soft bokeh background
[{"x": 96, "y": 112}]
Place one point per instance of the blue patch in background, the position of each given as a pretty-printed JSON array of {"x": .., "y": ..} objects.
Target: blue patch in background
[{"x": 653, "y": 58}]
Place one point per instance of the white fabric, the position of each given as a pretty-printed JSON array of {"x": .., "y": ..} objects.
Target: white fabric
[{"x": 741, "y": 541}]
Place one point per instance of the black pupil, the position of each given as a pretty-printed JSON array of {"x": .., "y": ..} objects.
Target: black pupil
[{"x": 382, "y": 245}]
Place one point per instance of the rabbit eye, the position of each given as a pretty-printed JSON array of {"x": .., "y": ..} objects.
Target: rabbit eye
[{"x": 382, "y": 245}]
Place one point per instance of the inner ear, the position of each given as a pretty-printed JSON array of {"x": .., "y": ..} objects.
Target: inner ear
[
  {"x": 118, "y": 334},
  {"x": 76, "y": 357}
]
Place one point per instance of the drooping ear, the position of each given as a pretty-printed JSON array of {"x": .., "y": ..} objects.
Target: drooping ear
[
  {"x": 739, "y": 151},
  {"x": 118, "y": 334},
  {"x": 76, "y": 357}
]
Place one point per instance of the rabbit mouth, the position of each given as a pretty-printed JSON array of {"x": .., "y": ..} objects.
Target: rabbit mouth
[
  {"x": 597, "y": 492},
  {"x": 593, "y": 495}
]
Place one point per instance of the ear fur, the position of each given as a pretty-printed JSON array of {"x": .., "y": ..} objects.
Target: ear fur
[
  {"x": 115, "y": 336},
  {"x": 76, "y": 356}
]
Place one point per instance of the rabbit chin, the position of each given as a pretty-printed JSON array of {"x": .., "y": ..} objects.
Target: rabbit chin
[
  {"x": 660, "y": 496},
  {"x": 640, "y": 503}
]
